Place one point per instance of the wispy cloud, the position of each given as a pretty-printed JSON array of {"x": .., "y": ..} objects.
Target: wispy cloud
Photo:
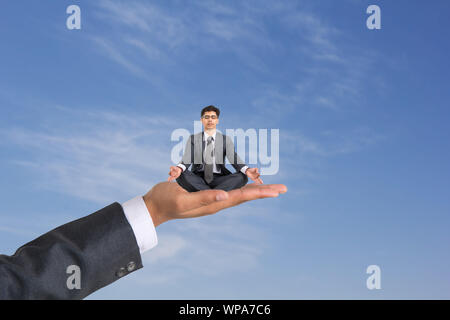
[
  {"x": 116, "y": 55},
  {"x": 315, "y": 31},
  {"x": 328, "y": 71},
  {"x": 164, "y": 35},
  {"x": 330, "y": 143},
  {"x": 304, "y": 155},
  {"x": 99, "y": 158}
]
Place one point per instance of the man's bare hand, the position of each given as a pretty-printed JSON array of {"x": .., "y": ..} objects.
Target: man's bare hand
[
  {"x": 167, "y": 201},
  {"x": 253, "y": 174},
  {"x": 174, "y": 173}
]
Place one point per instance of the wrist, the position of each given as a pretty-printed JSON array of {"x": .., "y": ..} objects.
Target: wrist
[{"x": 155, "y": 215}]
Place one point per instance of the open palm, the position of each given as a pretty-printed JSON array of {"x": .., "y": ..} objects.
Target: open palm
[{"x": 167, "y": 200}]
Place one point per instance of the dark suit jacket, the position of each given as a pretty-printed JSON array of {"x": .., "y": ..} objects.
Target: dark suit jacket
[
  {"x": 224, "y": 147},
  {"x": 102, "y": 245}
]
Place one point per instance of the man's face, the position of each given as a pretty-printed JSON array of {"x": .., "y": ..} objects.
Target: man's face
[{"x": 209, "y": 120}]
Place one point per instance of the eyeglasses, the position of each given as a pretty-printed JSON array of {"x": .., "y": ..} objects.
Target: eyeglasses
[{"x": 208, "y": 117}]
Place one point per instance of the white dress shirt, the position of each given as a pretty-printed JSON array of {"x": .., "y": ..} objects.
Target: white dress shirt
[
  {"x": 141, "y": 222},
  {"x": 205, "y": 138}
]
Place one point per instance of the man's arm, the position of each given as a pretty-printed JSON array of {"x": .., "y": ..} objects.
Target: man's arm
[
  {"x": 102, "y": 245},
  {"x": 232, "y": 156},
  {"x": 239, "y": 164},
  {"x": 107, "y": 244},
  {"x": 188, "y": 155}
]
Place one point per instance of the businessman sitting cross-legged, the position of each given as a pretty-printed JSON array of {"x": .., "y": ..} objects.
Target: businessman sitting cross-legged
[{"x": 206, "y": 151}]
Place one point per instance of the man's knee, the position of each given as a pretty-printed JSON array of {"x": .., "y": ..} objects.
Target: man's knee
[
  {"x": 241, "y": 179},
  {"x": 191, "y": 182}
]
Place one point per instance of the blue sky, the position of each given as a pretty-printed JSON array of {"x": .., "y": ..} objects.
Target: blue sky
[{"x": 363, "y": 117}]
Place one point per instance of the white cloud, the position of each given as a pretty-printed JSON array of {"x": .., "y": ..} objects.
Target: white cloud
[
  {"x": 100, "y": 158},
  {"x": 329, "y": 143},
  {"x": 184, "y": 31},
  {"x": 145, "y": 37},
  {"x": 114, "y": 54}
]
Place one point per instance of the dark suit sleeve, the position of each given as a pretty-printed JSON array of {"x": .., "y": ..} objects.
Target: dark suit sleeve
[
  {"x": 232, "y": 155},
  {"x": 101, "y": 244},
  {"x": 188, "y": 155}
]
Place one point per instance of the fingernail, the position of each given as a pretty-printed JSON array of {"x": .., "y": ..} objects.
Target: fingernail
[{"x": 221, "y": 196}]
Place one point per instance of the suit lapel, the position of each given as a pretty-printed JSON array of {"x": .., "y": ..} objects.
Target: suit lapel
[
  {"x": 218, "y": 148},
  {"x": 198, "y": 148},
  {"x": 203, "y": 141}
]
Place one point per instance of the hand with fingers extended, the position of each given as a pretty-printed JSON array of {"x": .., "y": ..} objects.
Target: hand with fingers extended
[
  {"x": 167, "y": 201},
  {"x": 174, "y": 173}
]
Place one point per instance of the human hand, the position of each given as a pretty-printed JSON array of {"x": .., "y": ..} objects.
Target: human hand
[
  {"x": 167, "y": 201},
  {"x": 174, "y": 173},
  {"x": 253, "y": 174}
]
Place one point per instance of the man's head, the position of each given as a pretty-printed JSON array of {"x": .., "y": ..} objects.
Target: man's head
[{"x": 210, "y": 117}]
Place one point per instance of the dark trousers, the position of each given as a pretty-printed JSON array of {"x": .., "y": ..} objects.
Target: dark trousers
[{"x": 194, "y": 182}]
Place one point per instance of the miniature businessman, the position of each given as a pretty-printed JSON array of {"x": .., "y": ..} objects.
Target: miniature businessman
[{"x": 206, "y": 151}]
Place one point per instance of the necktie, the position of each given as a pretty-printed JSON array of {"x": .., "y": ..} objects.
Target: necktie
[{"x": 209, "y": 153}]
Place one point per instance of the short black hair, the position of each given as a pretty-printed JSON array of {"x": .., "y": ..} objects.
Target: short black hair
[{"x": 210, "y": 108}]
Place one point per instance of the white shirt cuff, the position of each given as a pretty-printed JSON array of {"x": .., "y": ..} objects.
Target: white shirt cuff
[
  {"x": 141, "y": 222},
  {"x": 243, "y": 169},
  {"x": 182, "y": 166}
]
